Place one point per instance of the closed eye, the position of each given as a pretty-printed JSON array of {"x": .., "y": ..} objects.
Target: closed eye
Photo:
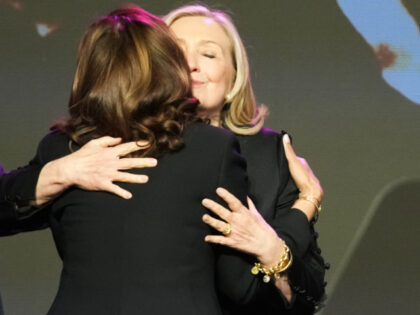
[{"x": 209, "y": 56}]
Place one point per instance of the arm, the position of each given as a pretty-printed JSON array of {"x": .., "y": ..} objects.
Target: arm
[
  {"x": 294, "y": 222},
  {"x": 235, "y": 282},
  {"x": 93, "y": 167},
  {"x": 252, "y": 234},
  {"x": 307, "y": 183},
  {"x": 17, "y": 190},
  {"x": 25, "y": 192}
]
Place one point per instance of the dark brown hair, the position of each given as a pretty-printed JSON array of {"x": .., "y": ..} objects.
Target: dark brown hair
[{"x": 132, "y": 81}]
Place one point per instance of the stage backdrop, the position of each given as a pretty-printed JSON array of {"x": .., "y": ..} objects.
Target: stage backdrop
[{"x": 309, "y": 65}]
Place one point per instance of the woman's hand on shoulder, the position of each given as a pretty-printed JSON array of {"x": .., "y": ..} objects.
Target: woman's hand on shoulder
[
  {"x": 95, "y": 166},
  {"x": 306, "y": 181}
]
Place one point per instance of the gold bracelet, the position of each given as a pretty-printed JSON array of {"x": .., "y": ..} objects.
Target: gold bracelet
[
  {"x": 312, "y": 200},
  {"x": 284, "y": 263}
]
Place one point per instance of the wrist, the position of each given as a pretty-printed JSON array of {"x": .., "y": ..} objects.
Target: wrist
[
  {"x": 275, "y": 270},
  {"x": 56, "y": 173},
  {"x": 51, "y": 182},
  {"x": 306, "y": 207},
  {"x": 272, "y": 253},
  {"x": 316, "y": 193}
]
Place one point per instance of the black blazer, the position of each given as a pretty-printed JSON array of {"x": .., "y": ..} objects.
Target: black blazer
[
  {"x": 273, "y": 191},
  {"x": 147, "y": 255},
  {"x": 17, "y": 189}
]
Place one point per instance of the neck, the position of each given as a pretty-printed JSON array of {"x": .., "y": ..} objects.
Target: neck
[
  {"x": 215, "y": 121},
  {"x": 214, "y": 117}
]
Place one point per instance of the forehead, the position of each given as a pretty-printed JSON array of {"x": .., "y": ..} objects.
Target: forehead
[{"x": 200, "y": 29}]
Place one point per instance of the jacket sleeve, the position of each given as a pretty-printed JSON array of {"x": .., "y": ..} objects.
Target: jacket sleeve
[
  {"x": 17, "y": 190},
  {"x": 234, "y": 279},
  {"x": 306, "y": 275}
]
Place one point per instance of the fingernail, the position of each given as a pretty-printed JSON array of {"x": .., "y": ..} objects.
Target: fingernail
[
  {"x": 205, "y": 218},
  {"x": 205, "y": 202},
  {"x": 153, "y": 162},
  {"x": 145, "y": 179},
  {"x": 128, "y": 196},
  {"x": 286, "y": 138}
]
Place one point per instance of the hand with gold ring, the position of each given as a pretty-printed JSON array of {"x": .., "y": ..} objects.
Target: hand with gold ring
[
  {"x": 243, "y": 228},
  {"x": 227, "y": 230}
]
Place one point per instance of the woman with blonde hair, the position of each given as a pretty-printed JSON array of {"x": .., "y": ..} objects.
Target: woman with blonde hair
[
  {"x": 284, "y": 221},
  {"x": 145, "y": 255},
  {"x": 221, "y": 82}
]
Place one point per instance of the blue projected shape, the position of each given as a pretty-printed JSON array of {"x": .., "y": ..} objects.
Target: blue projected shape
[
  {"x": 395, "y": 38},
  {"x": 44, "y": 29}
]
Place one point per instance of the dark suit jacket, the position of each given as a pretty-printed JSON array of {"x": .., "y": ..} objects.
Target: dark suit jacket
[
  {"x": 273, "y": 191},
  {"x": 17, "y": 189},
  {"x": 147, "y": 255}
]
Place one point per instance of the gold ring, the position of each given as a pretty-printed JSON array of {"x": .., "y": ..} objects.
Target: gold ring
[{"x": 227, "y": 230}]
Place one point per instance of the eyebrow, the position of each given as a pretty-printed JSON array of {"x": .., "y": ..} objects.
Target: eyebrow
[
  {"x": 207, "y": 41},
  {"x": 201, "y": 42}
]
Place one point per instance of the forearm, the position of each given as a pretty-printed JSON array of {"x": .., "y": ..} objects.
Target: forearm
[
  {"x": 17, "y": 191},
  {"x": 52, "y": 181},
  {"x": 307, "y": 279},
  {"x": 282, "y": 283},
  {"x": 303, "y": 279},
  {"x": 306, "y": 207},
  {"x": 271, "y": 259},
  {"x": 17, "y": 188}
]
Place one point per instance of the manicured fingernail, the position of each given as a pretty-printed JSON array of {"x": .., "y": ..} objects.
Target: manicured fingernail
[
  {"x": 128, "y": 196},
  {"x": 286, "y": 138},
  {"x": 205, "y": 202},
  {"x": 144, "y": 179},
  {"x": 153, "y": 162}
]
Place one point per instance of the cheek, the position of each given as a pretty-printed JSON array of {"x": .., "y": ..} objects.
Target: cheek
[
  {"x": 212, "y": 69},
  {"x": 221, "y": 76},
  {"x": 230, "y": 78}
]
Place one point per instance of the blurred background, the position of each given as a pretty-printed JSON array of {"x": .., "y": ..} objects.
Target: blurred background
[{"x": 321, "y": 77}]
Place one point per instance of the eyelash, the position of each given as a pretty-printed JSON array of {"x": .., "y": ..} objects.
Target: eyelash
[{"x": 209, "y": 56}]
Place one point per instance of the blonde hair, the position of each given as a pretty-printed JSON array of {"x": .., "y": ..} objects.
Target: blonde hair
[{"x": 240, "y": 113}]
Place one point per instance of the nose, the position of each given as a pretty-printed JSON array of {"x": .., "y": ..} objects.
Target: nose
[{"x": 192, "y": 62}]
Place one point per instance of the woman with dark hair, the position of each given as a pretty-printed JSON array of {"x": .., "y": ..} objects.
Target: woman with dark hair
[
  {"x": 145, "y": 255},
  {"x": 221, "y": 62}
]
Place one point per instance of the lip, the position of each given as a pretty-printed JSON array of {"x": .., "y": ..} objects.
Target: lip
[{"x": 196, "y": 82}]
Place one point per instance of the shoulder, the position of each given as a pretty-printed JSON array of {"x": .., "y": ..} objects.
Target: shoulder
[
  {"x": 54, "y": 145},
  {"x": 265, "y": 139},
  {"x": 204, "y": 129},
  {"x": 208, "y": 135},
  {"x": 265, "y": 134}
]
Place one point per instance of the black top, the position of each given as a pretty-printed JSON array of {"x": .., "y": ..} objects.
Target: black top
[
  {"x": 147, "y": 255},
  {"x": 273, "y": 192}
]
